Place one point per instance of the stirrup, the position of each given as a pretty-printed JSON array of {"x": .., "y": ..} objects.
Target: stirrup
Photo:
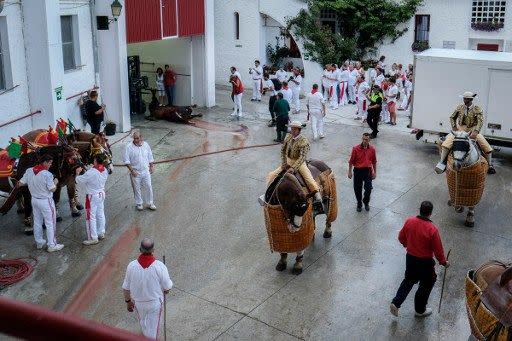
[
  {"x": 440, "y": 168},
  {"x": 261, "y": 200}
]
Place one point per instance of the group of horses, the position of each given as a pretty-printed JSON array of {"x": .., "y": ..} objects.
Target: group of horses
[{"x": 78, "y": 149}]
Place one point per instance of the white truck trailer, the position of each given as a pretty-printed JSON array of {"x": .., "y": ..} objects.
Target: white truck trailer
[{"x": 442, "y": 75}]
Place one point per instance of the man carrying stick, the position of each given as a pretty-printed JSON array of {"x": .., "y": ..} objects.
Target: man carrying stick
[{"x": 421, "y": 239}]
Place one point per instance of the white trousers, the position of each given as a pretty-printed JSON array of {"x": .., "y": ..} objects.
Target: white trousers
[
  {"x": 342, "y": 100},
  {"x": 149, "y": 315},
  {"x": 94, "y": 215},
  {"x": 44, "y": 212},
  {"x": 317, "y": 123},
  {"x": 142, "y": 180},
  {"x": 238, "y": 104},
  {"x": 404, "y": 102},
  {"x": 351, "y": 93},
  {"x": 256, "y": 86},
  {"x": 362, "y": 108},
  {"x": 295, "y": 99},
  {"x": 384, "y": 114},
  {"x": 334, "y": 96}
]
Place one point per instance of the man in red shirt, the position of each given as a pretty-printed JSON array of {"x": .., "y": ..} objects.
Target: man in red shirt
[
  {"x": 421, "y": 239},
  {"x": 363, "y": 161},
  {"x": 169, "y": 83}
]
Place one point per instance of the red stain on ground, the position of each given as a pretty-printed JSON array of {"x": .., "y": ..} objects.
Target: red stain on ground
[{"x": 102, "y": 273}]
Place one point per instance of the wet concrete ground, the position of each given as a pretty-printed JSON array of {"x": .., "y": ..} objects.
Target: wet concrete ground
[{"x": 211, "y": 229}]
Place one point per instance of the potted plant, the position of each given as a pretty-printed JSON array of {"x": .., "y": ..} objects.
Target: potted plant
[
  {"x": 419, "y": 46},
  {"x": 488, "y": 26}
]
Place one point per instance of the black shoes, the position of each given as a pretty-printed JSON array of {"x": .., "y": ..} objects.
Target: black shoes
[
  {"x": 366, "y": 207},
  {"x": 359, "y": 207},
  {"x": 491, "y": 170}
]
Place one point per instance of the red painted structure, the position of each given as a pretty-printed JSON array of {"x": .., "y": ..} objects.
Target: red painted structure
[
  {"x": 488, "y": 47},
  {"x": 157, "y": 19}
]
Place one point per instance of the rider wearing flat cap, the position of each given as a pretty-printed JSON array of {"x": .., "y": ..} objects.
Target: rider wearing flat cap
[{"x": 467, "y": 117}]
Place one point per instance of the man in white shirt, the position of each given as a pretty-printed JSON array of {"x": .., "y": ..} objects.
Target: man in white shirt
[
  {"x": 326, "y": 82},
  {"x": 287, "y": 92},
  {"x": 281, "y": 75},
  {"x": 343, "y": 78},
  {"x": 138, "y": 157},
  {"x": 145, "y": 284},
  {"x": 316, "y": 111},
  {"x": 391, "y": 100},
  {"x": 352, "y": 79},
  {"x": 257, "y": 75},
  {"x": 407, "y": 93},
  {"x": 93, "y": 181},
  {"x": 41, "y": 185},
  {"x": 379, "y": 78},
  {"x": 334, "y": 89},
  {"x": 362, "y": 89},
  {"x": 295, "y": 83}
]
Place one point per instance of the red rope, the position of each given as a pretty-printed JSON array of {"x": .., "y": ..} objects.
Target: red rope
[
  {"x": 15, "y": 270},
  {"x": 19, "y": 118},
  {"x": 209, "y": 153}
]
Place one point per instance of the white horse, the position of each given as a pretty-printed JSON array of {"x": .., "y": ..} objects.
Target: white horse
[{"x": 465, "y": 153}]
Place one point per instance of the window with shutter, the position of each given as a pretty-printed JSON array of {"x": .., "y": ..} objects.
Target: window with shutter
[
  {"x": 68, "y": 45},
  {"x": 421, "y": 28}
]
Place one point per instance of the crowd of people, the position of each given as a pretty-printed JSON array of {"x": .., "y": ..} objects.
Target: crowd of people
[{"x": 377, "y": 93}]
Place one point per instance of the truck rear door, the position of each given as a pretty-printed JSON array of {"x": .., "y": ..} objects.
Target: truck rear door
[{"x": 498, "y": 122}]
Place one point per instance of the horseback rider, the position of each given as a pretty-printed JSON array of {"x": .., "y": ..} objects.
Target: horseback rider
[
  {"x": 294, "y": 151},
  {"x": 467, "y": 117}
]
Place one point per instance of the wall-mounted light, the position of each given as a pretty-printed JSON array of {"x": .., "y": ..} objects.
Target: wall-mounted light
[{"x": 116, "y": 8}]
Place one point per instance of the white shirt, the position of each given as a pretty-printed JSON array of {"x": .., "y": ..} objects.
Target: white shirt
[
  {"x": 362, "y": 88},
  {"x": 344, "y": 75},
  {"x": 137, "y": 157},
  {"x": 393, "y": 90},
  {"x": 257, "y": 73},
  {"x": 353, "y": 77},
  {"x": 93, "y": 181},
  {"x": 291, "y": 83},
  {"x": 372, "y": 73},
  {"x": 408, "y": 87},
  {"x": 335, "y": 75},
  {"x": 40, "y": 185},
  {"x": 379, "y": 79},
  {"x": 281, "y": 75},
  {"x": 147, "y": 284},
  {"x": 270, "y": 85},
  {"x": 287, "y": 94},
  {"x": 315, "y": 101},
  {"x": 236, "y": 73}
]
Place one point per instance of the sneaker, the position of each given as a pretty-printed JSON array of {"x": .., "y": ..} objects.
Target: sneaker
[
  {"x": 233, "y": 114},
  {"x": 152, "y": 207},
  {"x": 57, "y": 247},
  {"x": 90, "y": 242},
  {"x": 440, "y": 168},
  {"x": 39, "y": 246},
  {"x": 139, "y": 207},
  {"x": 393, "y": 309},
  {"x": 101, "y": 236},
  {"x": 366, "y": 207},
  {"x": 427, "y": 312},
  {"x": 322, "y": 136},
  {"x": 359, "y": 207}
]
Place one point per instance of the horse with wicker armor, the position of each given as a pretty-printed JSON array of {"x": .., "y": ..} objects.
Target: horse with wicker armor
[
  {"x": 489, "y": 301},
  {"x": 289, "y": 214},
  {"x": 466, "y": 173}
]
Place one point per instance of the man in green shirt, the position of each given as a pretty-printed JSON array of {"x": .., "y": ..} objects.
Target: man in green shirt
[{"x": 281, "y": 109}]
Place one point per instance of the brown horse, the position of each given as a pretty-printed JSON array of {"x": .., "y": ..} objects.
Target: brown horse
[
  {"x": 171, "y": 114},
  {"x": 289, "y": 191}
]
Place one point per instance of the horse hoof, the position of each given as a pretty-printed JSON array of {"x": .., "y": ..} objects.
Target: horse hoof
[
  {"x": 79, "y": 207},
  {"x": 20, "y": 211},
  {"x": 327, "y": 234},
  {"x": 75, "y": 214},
  {"x": 297, "y": 270},
  {"x": 59, "y": 219},
  {"x": 469, "y": 223},
  {"x": 281, "y": 266},
  {"x": 449, "y": 203}
]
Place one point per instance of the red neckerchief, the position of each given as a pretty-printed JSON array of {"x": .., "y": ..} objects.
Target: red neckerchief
[
  {"x": 146, "y": 260},
  {"x": 38, "y": 168},
  {"x": 285, "y": 87},
  {"x": 100, "y": 168},
  {"x": 314, "y": 91}
]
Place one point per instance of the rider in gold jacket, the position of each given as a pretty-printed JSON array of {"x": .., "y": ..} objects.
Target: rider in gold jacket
[{"x": 469, "y": 118}]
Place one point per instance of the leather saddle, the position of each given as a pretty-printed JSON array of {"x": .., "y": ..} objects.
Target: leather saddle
[
  {"x": 497, "y": 297},
  {"x": 314, "y": 171}
]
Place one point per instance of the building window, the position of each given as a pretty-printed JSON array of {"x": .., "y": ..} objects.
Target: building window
[
  {"x": 5, "y": 63},
  {"x": 488, "y": 11},
  {"x": 328, "y": 18},
  {"x": 2, "y": 70},
  {"x": 421, "y": 28},
  {"x": 70, "y": 44},
  {"x": 237, "y": 26}
]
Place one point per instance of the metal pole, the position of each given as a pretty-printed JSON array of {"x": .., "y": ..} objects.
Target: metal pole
[
  {"x": 442, "y": 287},
  {"x": 165, "y": 313}
]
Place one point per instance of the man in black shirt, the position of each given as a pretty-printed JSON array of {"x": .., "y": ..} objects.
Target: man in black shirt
[
  {"x": 375, "y": 97},
  {"x": 94, "y": 112}
]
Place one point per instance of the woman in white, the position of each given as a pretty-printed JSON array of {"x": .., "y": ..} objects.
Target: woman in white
[
  {"x": 407, "y": 93},
  {"x": 362, "y": 88},
  {"x": 316, "y": 111},
  {"x": 160, "y": 88},
  {"x": 295, "y": 83}
]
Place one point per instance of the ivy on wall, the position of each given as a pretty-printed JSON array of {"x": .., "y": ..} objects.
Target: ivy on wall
[{"x": 362, "y": 26}]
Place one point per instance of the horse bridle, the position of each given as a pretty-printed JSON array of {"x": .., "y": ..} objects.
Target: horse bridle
[
  {"x": 459, "y": 141},
  {"x": 274, "y": 192}
]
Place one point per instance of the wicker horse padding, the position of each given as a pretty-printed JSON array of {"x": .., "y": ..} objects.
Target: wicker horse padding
[
  {"x": 467, "y": 185},
  {"x": 484, "y": 325},
  {"x": 331, "y": 194}
]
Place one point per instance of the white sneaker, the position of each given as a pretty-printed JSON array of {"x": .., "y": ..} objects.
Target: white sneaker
[
  {"x": 393, "y": 309},
  {"x": 57, "y": 247},
  {"x": 440, "y": 167},
  {"x": 427, "y": 312},
  {"x": 39, "y": 246},
  {"x": 322, "y": 136},
  {"x": 101, "y": 236},
  {"x": 140, "y": 207},
  {"x": 152, "y": 207},
  {"x": 90, "y": 242}
]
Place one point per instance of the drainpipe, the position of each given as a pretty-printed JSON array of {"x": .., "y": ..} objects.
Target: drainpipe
[{"x": 94, "y": 43}]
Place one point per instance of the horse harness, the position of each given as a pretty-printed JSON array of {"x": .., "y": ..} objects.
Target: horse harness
[{"x": 461, "y": 144}]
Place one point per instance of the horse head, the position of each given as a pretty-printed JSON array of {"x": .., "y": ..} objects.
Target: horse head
[
  {"x": 286, "y": 191},
  {"x": 99, "y": 146},
  {"x": 464, "y": 150}
]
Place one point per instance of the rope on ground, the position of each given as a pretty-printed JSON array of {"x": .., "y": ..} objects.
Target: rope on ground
[
  {"x": 209, "y": 153},
  {"x": 14, "y": 270}
]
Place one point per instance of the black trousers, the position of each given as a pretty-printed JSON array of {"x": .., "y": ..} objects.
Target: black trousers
[
  {"x": 281, "y": 129},
  {"x": 95, "y": 126},
  {"x": 271, "y": 102},
  {"x": 373, "y": 121},
  {"x": 417, "y": 270},
  {"x": 362, "y": 179}
]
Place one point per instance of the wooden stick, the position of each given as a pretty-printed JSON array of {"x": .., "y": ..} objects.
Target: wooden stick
[{"x": 442, "y": 287}]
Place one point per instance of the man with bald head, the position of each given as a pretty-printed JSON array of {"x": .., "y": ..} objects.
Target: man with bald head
[
  {"x": 145, "y": 284},
  {"x": 138, "y": 157}
]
